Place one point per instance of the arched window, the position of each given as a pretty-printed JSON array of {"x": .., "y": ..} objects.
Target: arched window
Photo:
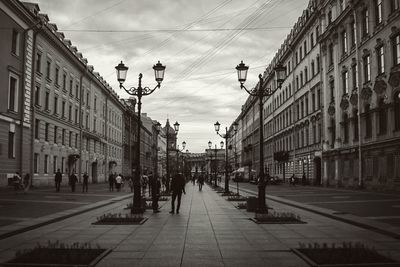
[
  {"x": 382, "y": 117},
  {"x": 396, "y": 102}
]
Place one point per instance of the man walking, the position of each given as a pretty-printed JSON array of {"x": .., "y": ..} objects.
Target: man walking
[
  {"x": 118, "y": 182},
  {"x": 72, "y": 181},
  {"x": 177, "y": 187},
  {"x": 200, "y": 181},
  {"x": 155, "y": 185},
  {"x": 58, "y": 179},
  {"x": 111, "y": 180},
  {"x": 85, "y": 182}
]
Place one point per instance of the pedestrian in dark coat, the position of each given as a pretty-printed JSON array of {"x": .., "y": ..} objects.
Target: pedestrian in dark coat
[
  {"x": 57, "y": 180},
  {"x": 200, "y": 182},
  {"x": 85, "y": 182},
  {"x": 303, "y": 179},
  {"x": 177, "y": 187},
  {"x": 72, "y": 181},
  {"x": 155, "y": 192},
  {"x": 111, "y": 181}
]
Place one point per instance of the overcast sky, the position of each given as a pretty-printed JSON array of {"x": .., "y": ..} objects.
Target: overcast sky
[{"x": 200, "y": 42}]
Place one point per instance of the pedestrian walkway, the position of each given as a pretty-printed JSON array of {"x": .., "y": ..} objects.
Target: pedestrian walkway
[{"x": 209, "y": 231}]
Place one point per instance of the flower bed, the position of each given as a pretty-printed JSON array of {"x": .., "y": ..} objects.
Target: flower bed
[
  {"x": 347, "y": 254},
  {"x": 59, "y": 254},
  {"x": 241, "y": 206},
  {"x": 278, "y": 218},
  {"x": 235, "y": 197},
  {"x": 119, "y": 219}
]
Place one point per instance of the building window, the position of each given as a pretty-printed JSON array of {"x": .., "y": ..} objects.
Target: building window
[
  {"x": 332, "y": 89},
  {"x": 396, "y": 50},
  {"x": 13, "y": 93},
  {"x": 70, "y": 113},
  {"x": 382, "y": 117},
  {"x": 63, "y": 109},
  {"x": 333, "y": 133},
  {"x": 55, "y": 134},
  {"x": 76, "y": 140},
  {"x": 77, "y": 90},
  {"x": 37, "y": 95},
  {"x": 63, "y": 137},
  {"x": 71, "y": 85},
  {"x": 378, "y": 12},
  {"x": 95, "y": 103},
  {"x": 318, "y": 99},
  {"x": 316, "y": 33},
  {"x": 11, "y": 144},
  {"x": 88, "y": 99},
  {"x": 37, "y": 127},
  {"x": 62, "y": 164},
  {"x": 330, "y": 54},
  {"x": 312, "y": 40},
  {"x": 55, "y": 105},
  {"x": 341, "y": 5},
  {"x": 318, "y": 64},
  {"x": 46, "y": 132},
  {"x": 301, "y": 53},
  {"x": 57, "y": 74},
  {"x": 15, "y": 42},
  {"x": 36, "y": 163},
  {"x": 47, "y": 101},
  {"x": 297, "y": 82},
  {"x": 380, "y": 59},
  {"x": 354, "y": 73},
  {"x": 94, "y": 125},
  {"x": 297, "y": 58},
  {"x": 367, "y": 68},
  {"x": 305, "y": 48},
  {"x": 301, "y": 79},
  {"x": 344, "y": 42},
  {"x": 396, "y": 109},
  {"x": 329, "y": 16},
  {"x": 70, "y": 139},
  {"x": 54, "y": 164},
  {"x": 365, "y": 22},
  {"x": 46, "y": 164},
  {"x": 368, "y": 122},
  {"x": 306, "y": 74},
  {"x": 313, "y": 101},
  {"x": 87, "y": 121},
  {"x": 353, "y": 33},
  {"x": 76, "y": 115},
  {"x": 345, "y": 82},
  {"x": 394, "y": 5},
  {"x": 64, "y": 85},
  {"x": 312, "y": 68},
  {"x": 39, "y": 62},
  {"x": 48, "y": 69}
]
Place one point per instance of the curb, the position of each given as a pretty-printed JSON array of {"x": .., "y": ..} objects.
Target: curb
[{"x": 63, "y": 217}]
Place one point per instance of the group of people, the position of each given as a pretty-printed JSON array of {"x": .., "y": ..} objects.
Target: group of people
[
  {"x": 72, "y": 181},
  {"x": 20, "y": 184},
  {"x": 200, "y": 180},
  {"x": 116, "y": 181}
]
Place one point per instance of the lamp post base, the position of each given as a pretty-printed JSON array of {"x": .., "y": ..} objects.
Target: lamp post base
[
  {"x": 260, "y": 211},
  {"x": 137, "y": 210}
]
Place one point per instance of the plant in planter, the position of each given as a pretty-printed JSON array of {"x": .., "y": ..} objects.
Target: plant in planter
[
  {"x": 277, "y": 218},
  {"x": 345, "y": 254},
  {"x": 57, "y": 253},
  {"x": 236, "y": 197},
  {"x": 241, "y": 206},
  {"x": 120, "y": 219}
]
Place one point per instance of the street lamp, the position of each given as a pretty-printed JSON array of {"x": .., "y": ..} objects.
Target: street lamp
[
  {"x": 226, "y": 136},
  {"x": 158, "y": 129},
  {"x": 261, "y": 92},
  {"x": 176, "y": 128},
  {"x": 139, "y": 91},
  {"x": 215, "y": 161},
  {"x": 177, "y": 154}
]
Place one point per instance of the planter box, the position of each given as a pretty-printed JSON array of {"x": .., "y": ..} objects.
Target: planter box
[
  {"x": 56, "y": 257},
  {"x": 237, "y": 198},
  {"x": 121, "y": 221},
  {"x": 276, "y": 219},
  {"x": 312, "y": 263}
]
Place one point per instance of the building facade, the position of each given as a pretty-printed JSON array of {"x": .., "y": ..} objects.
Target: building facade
[
  {"x": 16, "y": 45},
  {"x": 361, "y": 58}
]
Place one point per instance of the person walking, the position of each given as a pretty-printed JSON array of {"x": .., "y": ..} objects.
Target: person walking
[
  {"x": 17, "y": 182},
  {"x": 58, "y": 179},
  {"x": 111, "y": 181},
  {"x": 155, "y": 184},
  {"x": 118, "y": 182},
  {"x": 303, "y": 179},
  {"x": 200, "y": 182},
  {"x": 27, "y": 180},
  {"x": 85, "y": 182},
  {"x": 72, "y": 181},
  {"x": 177, "y": 187},
  {"x": 130, "y": 183}
]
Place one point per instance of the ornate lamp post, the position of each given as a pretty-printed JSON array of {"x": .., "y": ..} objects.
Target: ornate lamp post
[
  {"x": 261, "y": 92},
  {"x": 158, "y": 129},
  {"x": 177, "y": 154},
  {"x": 176, "y": 128},
  {"x": 139, "y": 92},
  {"x": 226, "y": 136},
  {"x": 215, "y": 162}
]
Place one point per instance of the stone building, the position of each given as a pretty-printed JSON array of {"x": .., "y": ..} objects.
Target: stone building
[
  {"x": 16, "y": 43},
  {"x": 360, "y": 43},
  {"x": 69, "y": 109}
]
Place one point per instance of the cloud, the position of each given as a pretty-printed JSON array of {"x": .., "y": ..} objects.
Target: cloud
[{"x": 200, "y": 84}]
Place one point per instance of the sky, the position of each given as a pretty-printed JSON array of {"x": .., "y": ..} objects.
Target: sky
[{"x": 199, "y": 42}]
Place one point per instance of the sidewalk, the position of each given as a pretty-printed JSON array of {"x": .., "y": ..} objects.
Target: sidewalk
[{"x": 209, "y": 231}]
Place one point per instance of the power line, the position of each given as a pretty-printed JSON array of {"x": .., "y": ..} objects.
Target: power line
[{"x": 178, "y": 30}]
